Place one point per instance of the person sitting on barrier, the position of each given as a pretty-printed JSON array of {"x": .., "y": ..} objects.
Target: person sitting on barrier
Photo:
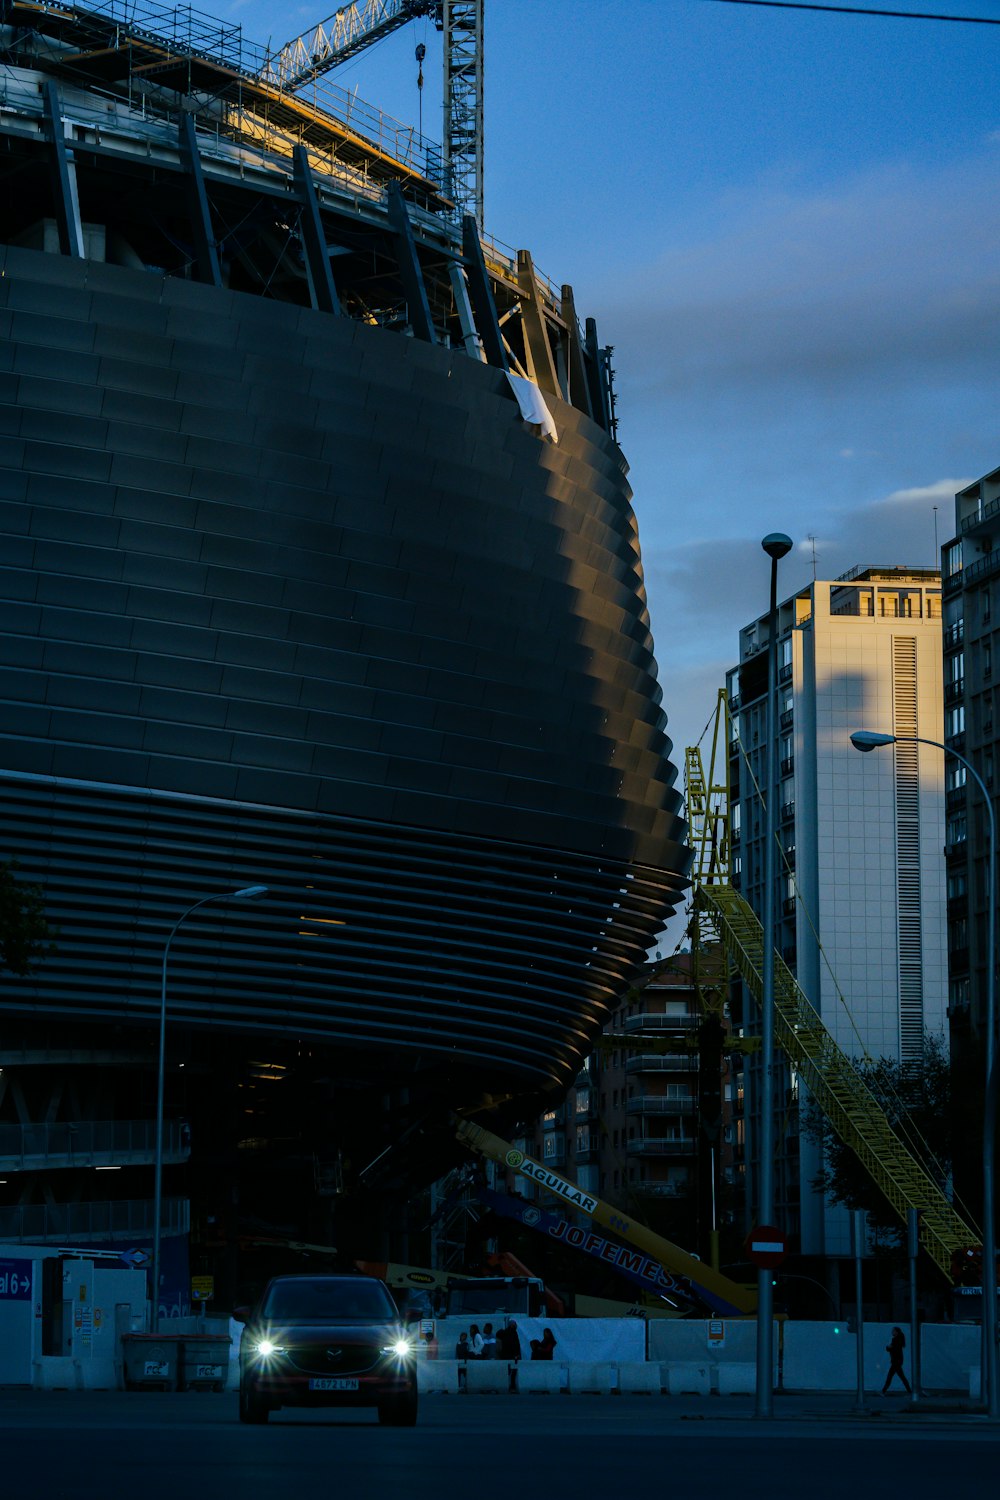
[
  {"x": 542, "y": 1348},
  {"x": 489, "y": 1342},
  {"x": 462, "y": 1350}
]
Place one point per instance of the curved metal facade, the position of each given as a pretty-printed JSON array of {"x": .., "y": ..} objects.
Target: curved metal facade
[{"x": 295, "y": 600}]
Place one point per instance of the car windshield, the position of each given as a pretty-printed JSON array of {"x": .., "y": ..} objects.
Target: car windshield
[{"x": 327, "y": 1299}]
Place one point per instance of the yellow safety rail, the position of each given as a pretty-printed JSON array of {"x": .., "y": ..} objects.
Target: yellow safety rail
[{"x": 835, "y": 1083}]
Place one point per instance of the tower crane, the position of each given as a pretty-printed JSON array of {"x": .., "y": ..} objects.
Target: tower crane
[{"x": 354, "y": 27}]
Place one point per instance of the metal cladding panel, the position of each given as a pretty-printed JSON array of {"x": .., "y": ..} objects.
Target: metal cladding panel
[{"x": 266, "y": 558}]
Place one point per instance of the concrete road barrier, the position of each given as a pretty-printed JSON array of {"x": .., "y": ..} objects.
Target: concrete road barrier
[
  {"x": 438, "y": 1376},
  {"x": 689, "y": 1380},
  {"x": 597, "y": 1379},
  {"x": 737, "y": 1379},
  {"x": 640, "y": 1379},
  {"x": 538, "y": 1376},
  {"x": 487, "y": 1377}
]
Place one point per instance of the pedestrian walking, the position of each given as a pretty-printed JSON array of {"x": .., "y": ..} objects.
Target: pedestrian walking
[{"x": 894, "y": 1348}]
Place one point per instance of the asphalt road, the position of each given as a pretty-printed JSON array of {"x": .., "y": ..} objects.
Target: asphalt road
[{"x": 111, "y": 1446}]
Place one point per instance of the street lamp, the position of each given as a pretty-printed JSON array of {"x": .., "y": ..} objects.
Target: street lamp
[
  {"x": 776, "y": 544},
  {"x": 248, "y": 893},
  {"x": 869, "y": 739}
]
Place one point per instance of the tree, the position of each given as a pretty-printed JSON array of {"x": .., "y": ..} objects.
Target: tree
[
  {"x": 916, "y": 1100},
  {"x": 25, "y": 935}
]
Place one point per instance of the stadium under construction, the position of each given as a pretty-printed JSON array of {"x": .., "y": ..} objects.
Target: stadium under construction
[{"x": 319, "y": 573}]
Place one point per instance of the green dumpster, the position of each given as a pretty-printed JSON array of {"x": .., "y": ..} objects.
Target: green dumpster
[
  {"x": 151, "y": 1360},
  {"x": 204, "y": 1361}
]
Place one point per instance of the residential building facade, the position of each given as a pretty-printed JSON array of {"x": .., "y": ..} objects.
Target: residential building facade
[
  {"x": 860, "y": 898},
  {"x": 971, "y": 586}
]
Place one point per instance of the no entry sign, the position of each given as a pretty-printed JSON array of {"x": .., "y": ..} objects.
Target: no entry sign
[{"x": 767, "y": 1246}]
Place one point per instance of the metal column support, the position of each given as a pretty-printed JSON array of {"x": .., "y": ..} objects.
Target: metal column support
[
  {"x": 599, "y": 395},
  {"x": 67, "y": 198},
  {"x": 322, "y": 287},
  {"x": 409, "y": 266},
  {"x": 482, "y": 296},
  {"x": 460, "y": 290},
  {"x": 537, "y": 348},
  {"x": 207, "y": 261},
  {"x": 579, "y": 391}
]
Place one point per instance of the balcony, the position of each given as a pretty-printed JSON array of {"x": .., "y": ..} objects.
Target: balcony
[
  {"x": 984, "y": 513},
  {"x": 788, "y": 812},
  {"x": 81, "y": 1223},
  {"x": 953, "y": 691},
  {"x": 787, "y": 716},
  {"x": 658, "y": 1104},
  {"x": 954, "y": 635},
  {"x": 787, "y": 765},
  {"x": 785, "y": 672},
  {"x": 587, "y": 1148},
  {"x": 655, "y": 1064},
  {"x": 975, "y": 572},
  {"x": 788, "y": 906},
  {"x": 89, "y": 1143},
  {"x": 661, "y": 1148},
  {"x": 681, "y": 1021}
]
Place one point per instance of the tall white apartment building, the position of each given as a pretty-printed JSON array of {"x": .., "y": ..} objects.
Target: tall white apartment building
[{"x": 860, "y": 909}]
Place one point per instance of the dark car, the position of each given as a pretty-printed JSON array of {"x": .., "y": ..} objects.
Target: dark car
[{"x": 326, "y": 1341}]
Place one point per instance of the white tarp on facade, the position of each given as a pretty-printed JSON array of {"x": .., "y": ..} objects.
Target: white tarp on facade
[{"x": 532, "y": 404}]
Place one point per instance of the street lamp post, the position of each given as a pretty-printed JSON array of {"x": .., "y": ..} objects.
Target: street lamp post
[
  {"x": 248, "y": 893},
  {"x": 776, "y": 545},
  {"x": 868, "y": 739}
]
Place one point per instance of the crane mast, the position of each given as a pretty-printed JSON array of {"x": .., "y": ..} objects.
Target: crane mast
[{"x": 354, "y": 27}]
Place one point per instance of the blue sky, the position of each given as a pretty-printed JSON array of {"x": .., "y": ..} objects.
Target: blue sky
[{"x": 788, "y": 225}]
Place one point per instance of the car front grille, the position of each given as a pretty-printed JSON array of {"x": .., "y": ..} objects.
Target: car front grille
[{"x": 334, "y": 1358}]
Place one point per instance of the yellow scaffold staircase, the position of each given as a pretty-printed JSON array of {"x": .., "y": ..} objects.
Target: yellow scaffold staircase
[{"x": 833, "y": 1081}]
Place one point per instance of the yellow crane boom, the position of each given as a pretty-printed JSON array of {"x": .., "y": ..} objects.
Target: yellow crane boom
[{"x": 725, "y": 1297}]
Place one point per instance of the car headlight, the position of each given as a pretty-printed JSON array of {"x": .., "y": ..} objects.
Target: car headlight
[
  {"x": 401, "y": 1348},
  {"x": 265, "y": 1348}
]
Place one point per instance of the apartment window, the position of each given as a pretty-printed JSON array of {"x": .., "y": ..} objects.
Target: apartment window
[
  {"x": 951, "y": 558},
  {"x": 987, "y": 659},
  {"x": 956, "y": 830},
  {"x": 583, "y": 1101},
  {"x": 954, "y": 775},
  {"x": 954, "y": 721},
  {"x": 955, "y": 667},
  {"x": 958, "y": 885},
  {"x": 785, "y": 652}
]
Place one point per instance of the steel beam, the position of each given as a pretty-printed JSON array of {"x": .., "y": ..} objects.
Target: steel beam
[
  {"x": 579, "y": 391},
  {"x": 538, "y": 350},
  {"x": 322, "y": 287},
  {"x": 67, "y": 198},
  {"x": 600, "y": 404},
  {"x": 201, "y": 218},
  {"x": 482, "y": 296},
  {"x": 409, "y": 266}
]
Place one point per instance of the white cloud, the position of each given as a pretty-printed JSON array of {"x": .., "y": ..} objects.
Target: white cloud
[{"x": 941, "y": 492}]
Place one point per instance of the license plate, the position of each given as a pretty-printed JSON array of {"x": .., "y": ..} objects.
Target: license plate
[{"x": 333, "y": 1385}]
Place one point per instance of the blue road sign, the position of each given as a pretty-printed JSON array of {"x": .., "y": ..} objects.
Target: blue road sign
[{"x": 15, "y": 1280}]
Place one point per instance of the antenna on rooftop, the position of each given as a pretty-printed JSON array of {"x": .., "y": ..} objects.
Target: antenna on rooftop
[
  {"x": 937, "y": 555},
  {"x": 812, "y": 539}
]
